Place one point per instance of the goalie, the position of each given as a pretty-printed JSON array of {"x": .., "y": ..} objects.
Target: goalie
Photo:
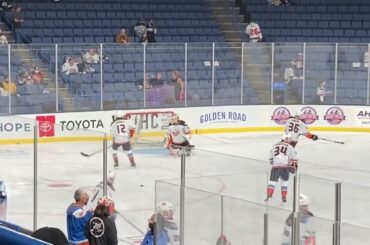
[
  {"x": 178, "y": 135},
  {"x": 122, "y": 132}
]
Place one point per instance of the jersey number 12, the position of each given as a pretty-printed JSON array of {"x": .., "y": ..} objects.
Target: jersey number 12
[{"x": 121, "y": 128}]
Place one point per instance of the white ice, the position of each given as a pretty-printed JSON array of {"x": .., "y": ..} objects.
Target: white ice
[{"x": 237, "y": 164}]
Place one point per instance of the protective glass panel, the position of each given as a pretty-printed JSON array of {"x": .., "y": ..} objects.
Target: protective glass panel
[
  {"x": 354, "y": 235},
  {"x": 322, "y": 229},
  {"x": 68, "y": 159},
  {"x": 247, "y": 186},
  {"x": 354, "y": 203},
  {"x": 321, "y": 201},
  {"x": 197, "y": 204},
  {"x": 165, "y": 71},
  {"x": 5, "y": 96},
  {"x": 288, "y": 73},
  {"x": 242, "y": 221},
  {"x": 257, "y": 69},
  {"x": 17, "y": 170},
  {"x": 199, "y": 75},
  {"x": 123, "y": 76},
  {"x": 227, "y": 74},
  {"x": 79, "y": 81},
  {"x": 319, "y": 74},
  {"x": 352, "y": 74},
  {"x": 278, "y": 229},
  {"x": 32, "y": 82}
]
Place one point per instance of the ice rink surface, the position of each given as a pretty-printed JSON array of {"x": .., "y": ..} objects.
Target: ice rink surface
[{"x": 237, "y": 162}]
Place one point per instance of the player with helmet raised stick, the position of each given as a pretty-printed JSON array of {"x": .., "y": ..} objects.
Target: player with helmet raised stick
[
  {"x": 122, "y": 132},
  {"x": 307, "y": 230},
  {"x": 178, "y": 135},
  {"x": 165, "y": 208},
  {"x": 284, "y": 160},
  {"x": 97, "y": 194},
  {"x": 295, "y": 127}
]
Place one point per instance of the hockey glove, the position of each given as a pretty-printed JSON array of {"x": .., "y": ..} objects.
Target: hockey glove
[{"x": 315, "y": 137}]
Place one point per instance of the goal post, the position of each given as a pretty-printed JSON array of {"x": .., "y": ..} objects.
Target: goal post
[{"x": 150, "y": 126}]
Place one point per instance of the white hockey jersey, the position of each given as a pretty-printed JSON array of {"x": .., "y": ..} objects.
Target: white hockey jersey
[
  {"x": 295, "y": 127},
  {"x": 306, "y": 230},
  {"x": 178, "y": 133},
  {"x": 283, "y": 155},
  {"x": 173, "y": 232},
  {"x": 254, "y": 32},
  {"x": 121, "y": 130}
]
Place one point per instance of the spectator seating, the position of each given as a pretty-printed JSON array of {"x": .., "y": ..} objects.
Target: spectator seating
[
  {"x": 95, "y": 21},
  {"x": 312, "y": 20}
]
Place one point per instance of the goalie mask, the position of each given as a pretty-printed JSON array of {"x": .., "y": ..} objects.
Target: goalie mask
[
  {"x": 165, "y": 208},
  {"x": 175, "y": 118}
]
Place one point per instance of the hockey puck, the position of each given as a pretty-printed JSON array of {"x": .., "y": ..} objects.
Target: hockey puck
[{"x": 141, "y": 185}]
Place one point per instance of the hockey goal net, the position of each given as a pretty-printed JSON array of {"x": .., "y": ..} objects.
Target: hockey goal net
[{"x": 150, "y": 126}]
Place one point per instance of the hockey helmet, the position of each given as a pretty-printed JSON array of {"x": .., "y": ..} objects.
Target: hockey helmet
[
  {"x": 303, "y": 200},
  {"x": 120, "y": 114},
  {"x": 297, "y": 114},
  {"x": 165, "y": 208},
  {"x": 287, "y": 138}
]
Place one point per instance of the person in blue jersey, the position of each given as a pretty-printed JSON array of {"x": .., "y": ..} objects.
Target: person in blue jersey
[
  {"x": 78, "y": 216},
  {"x": 156, "y": 231}
]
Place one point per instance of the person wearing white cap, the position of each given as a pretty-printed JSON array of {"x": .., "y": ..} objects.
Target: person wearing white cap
[
  {"x": 3, "y": 39},
  {"x": 307, "y": 231}
]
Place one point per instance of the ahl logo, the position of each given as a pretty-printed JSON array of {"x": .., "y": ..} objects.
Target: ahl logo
[
  {"x": 308, "y": 115},
  {"x": 334, "y": 115},
  {"x": 280, "y": 115}
]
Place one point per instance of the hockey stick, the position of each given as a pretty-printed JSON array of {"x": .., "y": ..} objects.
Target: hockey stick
[
  {"x": 93, "y": 153},
  {"x": 333, "y": 141}
]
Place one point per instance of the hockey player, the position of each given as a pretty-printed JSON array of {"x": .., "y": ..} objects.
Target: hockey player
[
  {"x": 283, "y": 159},
  {"x": 178, "y": 135},
  {"x": 3, "y": 200},
  {"x": 306, "y": 224},
  {"x": 122, "y": 132},
  {"x": 295, "y": 127},
  {"x": 97, "y": 194},
  {"x": 253, "y": 30},
  {"x": 165, "y": 208}
]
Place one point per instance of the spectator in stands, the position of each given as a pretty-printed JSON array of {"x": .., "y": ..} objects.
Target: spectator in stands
[
  {"x": 156, "y": 80},
  {"x": 253, "y": 30},
  {"x": 140, "y": 29},
  {"x": 146, "y": 82},
  {"x": 122, "y": 37},
  {"x": 289, "y": 74},
  {"x": 51, "y": 235},
  {"x": 298, "y": 61},
  {"x": 78, "y": 217},
  {"x": 70, "y": 66},
  {"x": 321, "y": 92},
  {"x": 17, "y": 23},
  {"x": 8, "y": 87},
  {"x": 3, "y": 39},
  {"x": 37, "y": 75},
  {"x": 144, "y": 39},
  {"x": 91, "y": 56},
  {"x": 101, "y": 230},
  {"x": 179, "y": 85},
  {"x": 278, "y": 2},
  {"x": 151, "y": 31},
  {"x": 279, "y": 88},
  {"x": 157, "y": 231},
  {"x": 5, "y": 5}
]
